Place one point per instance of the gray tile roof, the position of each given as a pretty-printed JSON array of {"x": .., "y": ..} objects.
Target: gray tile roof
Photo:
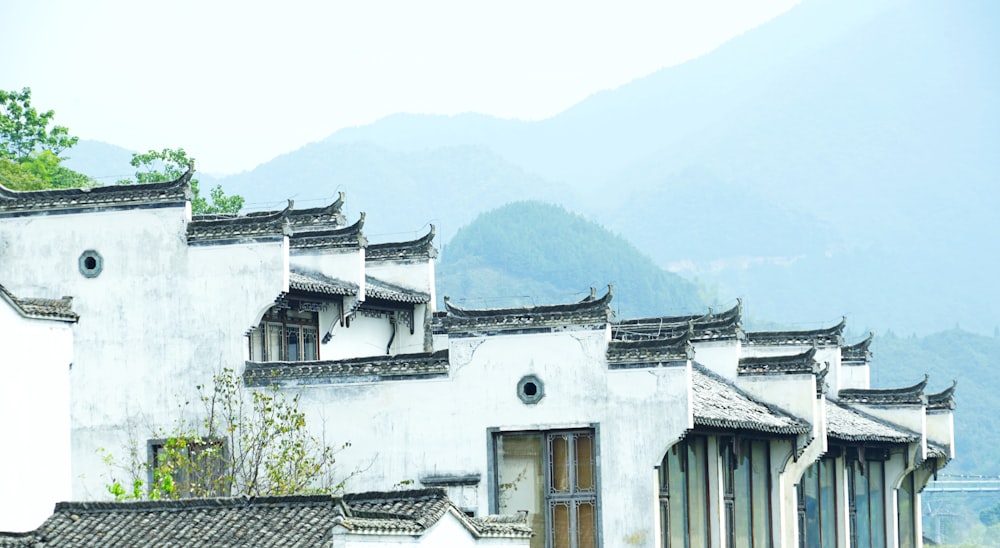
[
  {"x": 780, "y": 365},
  {"x": 649, "y": 353},
  {"x": 227, "y": 228},
  {"x": 711, "y": 326},
  {"x": 102, "y": 197},
  {"x": 43, "y": 309},
  {"x": 314, "y": 282},
  {"x": 845, "y": 423},
  {"x": 590, "y": 311},
  {"x": 263, "y": 521},
  {"x": 421, "y": 248},
  {"x": 910, "y": 395},
  {"x": 348, "y": 237},
  {"x": 857, "y": 353},
  {"x": 378, "y": 289},
  {"x": 387, "y": 513},
  {"x": 365, "y": 369},
  {"x": 830, "y": 336},
  {"x": 719, "y": 404},
  {"x": 944, "y": 399}
]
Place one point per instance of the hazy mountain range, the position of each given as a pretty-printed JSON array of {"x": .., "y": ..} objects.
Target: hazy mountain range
[{"x": 836, "y": 160}]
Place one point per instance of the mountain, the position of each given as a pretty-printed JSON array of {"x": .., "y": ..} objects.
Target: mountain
[
  {"x": 836, "y": 160},
  {"x": 530, "y": 252}
]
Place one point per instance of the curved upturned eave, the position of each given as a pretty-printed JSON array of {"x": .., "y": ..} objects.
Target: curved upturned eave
[
  {"x": 771, "y": 336},
  {"x": 111, "y": 195},
  {"x": 421, "y": 247},
  {"x": 596, "y": 305},
  {"x": 334, "y": 237},
  {"x": 908, "y": 394},
  {"x": 944, "y": 399}
]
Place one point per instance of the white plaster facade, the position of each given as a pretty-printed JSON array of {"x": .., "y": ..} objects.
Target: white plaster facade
[
  {"x": 36, "y": 353},
  {"x": 427, "y": 397}
]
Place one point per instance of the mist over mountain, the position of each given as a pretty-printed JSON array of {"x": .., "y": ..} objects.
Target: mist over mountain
[{"x": 839, "y": 159}]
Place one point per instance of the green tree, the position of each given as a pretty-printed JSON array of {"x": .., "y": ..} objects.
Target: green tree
[
  {"x": 30, "y": 150},
  {"x": 250, "y": 443},
  {"x": 24, "y": 130},
  {"x": 169, "y": 164}
]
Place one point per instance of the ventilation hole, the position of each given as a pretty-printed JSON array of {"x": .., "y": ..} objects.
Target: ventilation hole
[
  {"x": 530, "y": 389},
  {"x": 90, "y": 263}
]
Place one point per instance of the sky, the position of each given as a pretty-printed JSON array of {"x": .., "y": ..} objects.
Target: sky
[{"x": 238, "y": 83}]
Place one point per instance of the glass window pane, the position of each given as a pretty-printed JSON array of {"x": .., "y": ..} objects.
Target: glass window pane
[
  {"x": 309, "y": 348},
  {"x": 760, "y": 469},
  {"x": 678, "y": 502},
  {"x": 257, "y": 344},
  {"x": 520, "y": 480},
  {"x": 875, "y": 471},
  {"x": 863, "y": 519},
  {"x": 828, "y": 502},
  {"x": 586, "y": 522},
  {"x": 810, "y": 491},
  {"x": 697, "y": 493},
  {"x": 275, "y": 342},
  {"x": 584, "y": 462},
  {"x": 742, "y": 501},
  {"x": 559, "y": 453},
  {"x": 560, "y": 526},
  {"x": 904, "y": 502},
  {"x": 292, "y": 342}
]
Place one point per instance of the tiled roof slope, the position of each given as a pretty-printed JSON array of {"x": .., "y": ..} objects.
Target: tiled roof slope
[
  {"x": 913, "y": 395},
  {"x": 365, "y": 369},
  {"x": 421, "y": 248},
  {"x": 830, "y": 336},
  {"x": 847, "y": 424},
  {"x": 777, "y": 365},
  {"x": 719, "y": 404},
  {"x": 378, "y": 289},
  {"x": 591, "y": 310},
  {"x": 42, "y": 309},
  {"x": 293, "y": 521},
  {"x": 313, "y": 282},
  {"x": 174, "y": 192},
  {"x": 711, "y": 326},
  {"x": 390, "y": 514},
  {"x": 649, "y": 353}
]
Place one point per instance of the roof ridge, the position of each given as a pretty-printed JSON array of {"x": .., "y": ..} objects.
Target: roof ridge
[
  {"x": 584, "y": 305},
  {"x": 908, "y": 394},
  {"x": 792, "y": 363}
]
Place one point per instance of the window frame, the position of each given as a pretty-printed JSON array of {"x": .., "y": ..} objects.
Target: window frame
[
  {"x": 155, "y": 445},
  {"x": 731, "y": 463},
  {"x": 551, "y": 499},
  {"x": 279, "y": 318}
]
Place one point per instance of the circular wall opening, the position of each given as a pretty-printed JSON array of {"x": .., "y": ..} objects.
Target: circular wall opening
[
  {"x": 91, "y": 263},
  {"x": 530, "y": 389}
]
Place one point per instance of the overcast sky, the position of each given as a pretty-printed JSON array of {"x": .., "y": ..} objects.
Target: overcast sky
[{"x": 237, "y": 83}]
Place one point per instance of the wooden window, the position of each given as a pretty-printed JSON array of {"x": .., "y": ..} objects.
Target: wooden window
[
  {"x": 684, "y": 491},
  {"x": 286, "y": 334},
  {"x": 552, "y": 476},
  {"x": 196, "y": 466}
]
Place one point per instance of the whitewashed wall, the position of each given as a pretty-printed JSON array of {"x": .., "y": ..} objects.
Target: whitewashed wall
[
  {"x": 405, "y": 430},
  {"x": 161, "y": 318},
  {"x": 35, "y": 359}
]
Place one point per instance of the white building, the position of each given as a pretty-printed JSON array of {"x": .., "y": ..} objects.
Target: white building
[{"x": 648, "y": 432}]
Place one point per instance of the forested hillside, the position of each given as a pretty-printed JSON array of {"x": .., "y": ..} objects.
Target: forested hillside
[{"x": 538, "y": 253}]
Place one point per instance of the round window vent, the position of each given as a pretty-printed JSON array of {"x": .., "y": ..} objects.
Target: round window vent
[
  {"x": 91, "y": 263},
  {"x": 530, "y": 389}
]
